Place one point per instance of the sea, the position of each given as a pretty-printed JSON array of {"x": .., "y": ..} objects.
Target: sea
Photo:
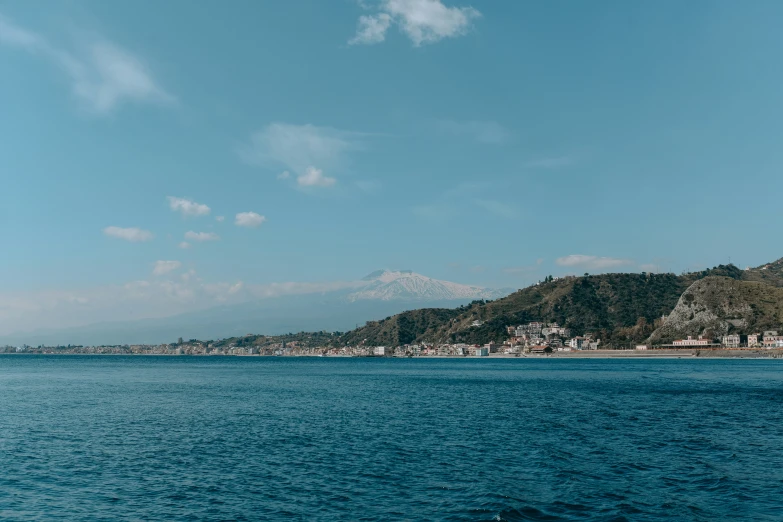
[{"x": 279, "y": 438}]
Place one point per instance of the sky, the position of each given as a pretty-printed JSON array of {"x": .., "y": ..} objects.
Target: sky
[{"x": 160, "y": 157}]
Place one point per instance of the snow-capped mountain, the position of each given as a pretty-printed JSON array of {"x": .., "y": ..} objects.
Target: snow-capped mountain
[{"x": 386, "y": 285}]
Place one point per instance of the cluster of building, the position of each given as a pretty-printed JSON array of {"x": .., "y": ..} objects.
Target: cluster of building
[
  {"x": 536, "y": 335},
  {"x": 769, "y": 339},
  {"x": 530, "y": 338},
  {"x": 189, "y": 348}
]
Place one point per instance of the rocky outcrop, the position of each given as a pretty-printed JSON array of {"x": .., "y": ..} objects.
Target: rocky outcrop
[{"x": 716, "y": 306}]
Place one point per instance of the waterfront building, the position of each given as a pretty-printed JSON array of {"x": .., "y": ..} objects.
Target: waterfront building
[{"x": 690, "y": 341}]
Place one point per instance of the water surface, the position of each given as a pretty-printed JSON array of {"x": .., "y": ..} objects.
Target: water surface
[{"x": 227, "y": 438}]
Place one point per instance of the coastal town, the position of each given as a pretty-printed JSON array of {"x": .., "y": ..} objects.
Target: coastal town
[{"x": 534, "y": 338}]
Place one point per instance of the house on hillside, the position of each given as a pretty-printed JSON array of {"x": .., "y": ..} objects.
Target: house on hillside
[{"x": 731, "y": 341}]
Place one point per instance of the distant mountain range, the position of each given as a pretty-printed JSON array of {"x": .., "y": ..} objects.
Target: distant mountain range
[
  {"x": 620, "y": 309},
  {"x": 378, "y": 295}
]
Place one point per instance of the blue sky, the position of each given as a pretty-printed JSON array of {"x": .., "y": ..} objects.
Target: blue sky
[{"x": 483, "y": 142}]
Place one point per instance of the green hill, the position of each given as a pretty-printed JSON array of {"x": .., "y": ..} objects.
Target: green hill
[{"x": 618, "y": 308}]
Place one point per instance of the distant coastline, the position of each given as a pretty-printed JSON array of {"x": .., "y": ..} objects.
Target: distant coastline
[{"x": 584, "y": 354}]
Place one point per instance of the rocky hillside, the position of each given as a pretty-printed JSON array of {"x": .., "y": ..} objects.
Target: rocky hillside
[
  {"x": 617, "y": 307},
  {"x": 620, "y": 309},
  {"x": 716, "y": 306}
]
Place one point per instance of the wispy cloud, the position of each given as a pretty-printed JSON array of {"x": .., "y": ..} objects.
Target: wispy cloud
[
  {"x": 249, "y": 219},
  {"x": 550, "y": 163},
  {"x": 515, "y": 270},
  {"x": 201, "y": 236},
  {"x": 489, "y": 132},
  {"x": 302, "y": 149},
  {"x": 164, "y": 267},
  {"x": 102, "y": 75},
  {"x": 158, "y": 296},
  {"x": 132, "y": 234},
  {"x": 465, "y": 198},
  {"x": 314, "y": 177},
  {"x": 188, "y": 207},
  {"x": 497, "y": 208},
  {"x": 371, "y": 29},
  {"x": 184, "y": 245},
  {"x": 592, "y": 262},
  {"x": 220, "y": 219},
  {"x": 423, "y": 21}
]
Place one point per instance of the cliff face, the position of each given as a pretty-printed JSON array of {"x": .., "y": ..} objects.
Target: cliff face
[{"x": 716, "y": 306}]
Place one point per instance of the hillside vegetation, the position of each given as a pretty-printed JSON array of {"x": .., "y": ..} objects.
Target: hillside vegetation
[
  {"x": 617, "y": 307},
  {"x": 620, "y": 309},
  {"x": 716, "y": 306}
]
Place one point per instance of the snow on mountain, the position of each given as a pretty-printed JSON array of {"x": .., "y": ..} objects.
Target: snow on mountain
[{"x": 386, "y": 285}]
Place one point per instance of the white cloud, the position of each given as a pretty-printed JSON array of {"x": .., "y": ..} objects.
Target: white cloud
[
  {"x": 131, "y": 234},
  {"x": 184, "y": 244},
  {"x": 284, "y": 175},
  {"x": 314, "y": 177},
  {"x": 490, "y": 132},
  {"x": 249, "y": 219},
  {"x": 164, "y": 267},
  {"x": 102, "y": 75},
  {"x": 201, "y": 236},
  {"x": 297, "y": 147},
  {"x": 371, "y": 29},
  {"x": 592, "y": 262},
  {"x": 423, "y": 21},
  {"x": 188, "y": 207},
  {"x": 220, "y": 219}
]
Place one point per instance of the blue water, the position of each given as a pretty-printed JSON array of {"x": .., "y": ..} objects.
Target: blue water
[{"x": 178, "y": 438}]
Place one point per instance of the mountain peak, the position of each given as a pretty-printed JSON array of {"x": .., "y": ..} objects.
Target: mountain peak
[
  {"x": 386, "y": 274},
  {"x": 387, "y": 285}
]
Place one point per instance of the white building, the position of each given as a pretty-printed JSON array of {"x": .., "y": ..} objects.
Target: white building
[
  {"x": 690, "y": 341},
  {"x": 731, "y": 341}
]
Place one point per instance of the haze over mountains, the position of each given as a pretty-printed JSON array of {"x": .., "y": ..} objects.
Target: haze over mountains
[{"x": 378, "y": 295}]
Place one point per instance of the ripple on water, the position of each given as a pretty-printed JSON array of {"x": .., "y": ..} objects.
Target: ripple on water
[{"x": 145, "y": 438}]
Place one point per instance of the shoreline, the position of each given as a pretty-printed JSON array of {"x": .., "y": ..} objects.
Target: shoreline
[{"x": 582, "y": 354}]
